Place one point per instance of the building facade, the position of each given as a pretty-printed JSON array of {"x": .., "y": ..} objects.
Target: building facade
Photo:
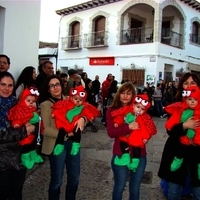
[
  {"x": 141, "y": 40},
  {"x": 19, "y": 33}
]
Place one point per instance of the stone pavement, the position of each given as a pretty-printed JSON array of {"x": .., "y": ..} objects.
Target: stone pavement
[{"x": 96, "y": 179}]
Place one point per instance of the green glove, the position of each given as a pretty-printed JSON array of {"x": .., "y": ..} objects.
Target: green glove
[
  {"x": 129, "y": 118},
  {"x": 186, "y": 115},
  {"x": 134, "y": 164},
  {"x": 75, "y": 148},
  {"x": 35, "y": 119},
  {"x": 122, "y": 160},
  {"x": 190, "y": 133},
  {"x": 176, "y": 164},
  {"x": 58, "y": 149}
]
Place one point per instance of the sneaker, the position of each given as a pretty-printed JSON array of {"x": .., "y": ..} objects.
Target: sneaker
[
  {"x": 164, "y": 115},
  {"x": 161, "y": 116}
]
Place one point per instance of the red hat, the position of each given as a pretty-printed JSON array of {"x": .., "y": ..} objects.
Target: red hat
[
  {"x": 192, "y": 91},
  {"x": 80, "y": 91},
  {"x": 144, "y": 100},
  {"x": 28, "y": 91}
]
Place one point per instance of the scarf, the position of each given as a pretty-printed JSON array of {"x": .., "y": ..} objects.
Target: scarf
[{"x": 5, "y": 105}]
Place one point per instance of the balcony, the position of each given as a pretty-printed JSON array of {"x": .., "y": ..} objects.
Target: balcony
[
  {"x": 96, "y": 39},
  {"x": 72, "y": 42},
  {"x": 170, "y": 37},
  {"x": 137, "y": 35},
  {"x": 194, "y": 38}
]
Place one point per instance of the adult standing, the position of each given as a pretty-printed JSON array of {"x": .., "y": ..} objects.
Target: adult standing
[
  {"x": 190, "y": 163},
  {"x": 104, "y": 94},
  {"x": 4, "y": 63},
  {"x": 72, "y": 77},
  {"x": 52, "y": 93},
  {"x": 12, "y": 173},
  {"x": 124, "y": 97},
  {"x": 26, "y": 79},
  {"x": 46, "y": 69},
  {"x": 90, "y": 92},
  {"x": 96, "y": 85}
]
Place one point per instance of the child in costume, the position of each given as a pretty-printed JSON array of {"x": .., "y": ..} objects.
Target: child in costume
[
  {"x": 67, "y": 112},
  {"x": 181, "y": 112},
  {"x": 24, "y": 113},
  {"x": 131, "y": 144}
]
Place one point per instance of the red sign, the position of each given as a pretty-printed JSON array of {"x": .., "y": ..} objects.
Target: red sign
[{"x": 102, "y": 61}]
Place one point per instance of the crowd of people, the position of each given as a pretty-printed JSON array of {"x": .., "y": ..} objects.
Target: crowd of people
[{"x": 52, "y": 109}]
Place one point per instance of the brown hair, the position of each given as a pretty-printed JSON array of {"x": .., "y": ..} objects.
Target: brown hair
[
  {"x": 128, "y": 86},
  {"x": 184, "y": 78}
]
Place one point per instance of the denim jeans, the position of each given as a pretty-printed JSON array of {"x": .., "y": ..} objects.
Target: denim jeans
[
  {"x": 120, "y": 178},
  {"x": 159, "y": 107},
  {"x": 11, "y": 184},
  {"x": 72, "y": 165},
  {"x": 174, "y": 192}
]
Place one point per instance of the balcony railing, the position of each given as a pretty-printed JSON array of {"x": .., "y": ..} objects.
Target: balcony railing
[
  {"x": 137, "y": 35},
  {"x": 96, "y": 39},
  {"x": 71, "y": 42},
  {"x": 195, "y": 38},
  {"x": 170, "y": 37}
]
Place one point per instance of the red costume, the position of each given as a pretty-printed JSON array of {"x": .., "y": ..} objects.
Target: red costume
[
  {"x": 66, "y": 113},
  {"x": 177, "y": 110},
  {"x": 147, "y": 127},
  {"x": 21, "y": 114}
]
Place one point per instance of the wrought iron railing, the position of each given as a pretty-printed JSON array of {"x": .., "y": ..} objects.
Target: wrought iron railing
[
  {"x": 170, "y": 37},
  {"x": 137, "y": 35},
  {"x": 195, "y": 38},
  {"x": 96, "y": 39},
  {"x": 71, "y": 42}
]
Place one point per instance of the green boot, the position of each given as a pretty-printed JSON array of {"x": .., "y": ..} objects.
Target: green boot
[
  {"x": 134, "y": 164},
  {"x": 75, "y": 148},
  {"x": 198, "y": 171},
  {"x": 58, "y": 149},
  {"x": 35, "y": 157},
  {"x": 26, "y": 160},
  {"x": 122, "y": 160},
  {"x": 176, "y": 164}
]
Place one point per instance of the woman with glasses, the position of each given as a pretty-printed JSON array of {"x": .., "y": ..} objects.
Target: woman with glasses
[
  {"x": 12, "y": 173},
  {"x": 51, "y": 93}
]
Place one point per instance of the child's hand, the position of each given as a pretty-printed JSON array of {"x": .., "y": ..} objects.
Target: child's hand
[
  {"x": 115, "y": 125},
  {"x": 29, "y": 128},
  {"x": 145, "y": 141},
  {"x": 16, "y": 126},
  {"x": 52, "y": 115}
]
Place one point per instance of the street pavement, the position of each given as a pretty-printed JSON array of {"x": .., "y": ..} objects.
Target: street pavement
[{"x": 96, "y": 179}]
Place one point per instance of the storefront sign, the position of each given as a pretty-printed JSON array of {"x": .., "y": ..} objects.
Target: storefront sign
[{"x": 102, "y": 61}]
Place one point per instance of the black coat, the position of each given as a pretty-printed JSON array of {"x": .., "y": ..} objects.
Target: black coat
[
  {"x": 10, "y": 151},
  {"x": 190, "y": 163}
]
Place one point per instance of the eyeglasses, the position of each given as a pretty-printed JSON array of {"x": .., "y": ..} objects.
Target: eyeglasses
[
  {"x": 54, "y": 85},
  {"x": 4, "y": 85}
]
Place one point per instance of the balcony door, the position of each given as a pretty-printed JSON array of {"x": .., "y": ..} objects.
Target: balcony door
[
  {"x": 136, "y": 30},
  {"x": 99, "y": 31},
  {"x": 75, "y": 34}
]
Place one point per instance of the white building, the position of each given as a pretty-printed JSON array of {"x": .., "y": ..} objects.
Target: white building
[
  {"x": 143, "y": 40},
  {"x": 19, "y": 33}
]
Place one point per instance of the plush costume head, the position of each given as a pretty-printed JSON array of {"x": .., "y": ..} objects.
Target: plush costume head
[
  {"x": 28, "y": 91},
  {"x": 144, "y": 100},
  {"x": 194, "y": 92},
  {"x": 80, "y": 91}
]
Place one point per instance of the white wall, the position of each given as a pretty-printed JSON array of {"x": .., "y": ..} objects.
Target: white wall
[{"x": 20, "y": 33}]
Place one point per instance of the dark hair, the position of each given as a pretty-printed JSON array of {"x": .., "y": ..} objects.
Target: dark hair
[
  {"x": 126, "y": 86},
  {"x": 184, "y": 78},
  {"x": 46, "y": 62},
  {"x": 5, "y": 56},
  {"x": 26, "y": 77},
  {"x": 82, "y": 76},
  {"x": 158, "y": 84},
  {"x": 45, "y": 94},
  {"x": 63, "y": 75}
]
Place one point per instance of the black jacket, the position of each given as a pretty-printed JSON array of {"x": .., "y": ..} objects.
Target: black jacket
[
  {"x": 190, "y": 163},
  {"x": 10, "y": 151}
]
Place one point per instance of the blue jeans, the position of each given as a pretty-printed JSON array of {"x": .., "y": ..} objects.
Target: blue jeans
[
  {"x": 174, "y": 192},
  {"x": 159, "y": 107},
  {"x": 72, "y": 165},
  {"x": 120, "y": 178}
]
